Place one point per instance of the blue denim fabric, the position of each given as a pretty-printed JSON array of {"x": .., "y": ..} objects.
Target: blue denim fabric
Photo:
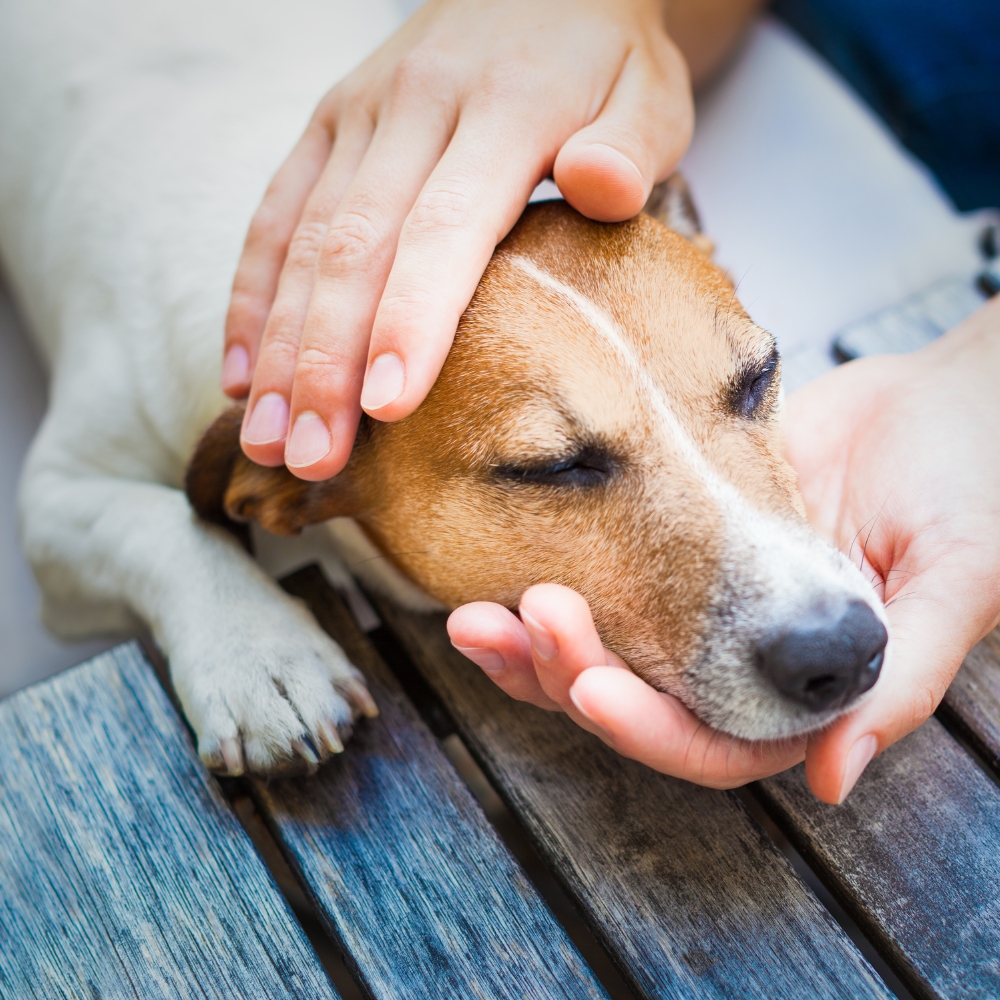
[{"x": 931, "y": 69}]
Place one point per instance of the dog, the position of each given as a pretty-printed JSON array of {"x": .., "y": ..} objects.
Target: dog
[{"x": 609, "y": 418}]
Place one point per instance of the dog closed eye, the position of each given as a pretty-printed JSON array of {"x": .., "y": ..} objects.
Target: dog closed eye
[
  {"x": 751, "y": 392},
  {"x": 585, "y": 467}
]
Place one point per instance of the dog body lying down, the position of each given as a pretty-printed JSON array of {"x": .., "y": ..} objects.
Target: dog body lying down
[{"x": 609, "y": 419}]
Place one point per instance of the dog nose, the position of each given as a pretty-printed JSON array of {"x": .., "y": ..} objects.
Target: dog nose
[{"x": 828, "y": 661}]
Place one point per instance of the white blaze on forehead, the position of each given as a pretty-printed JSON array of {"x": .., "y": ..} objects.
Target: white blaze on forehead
[
  {"x": 604, "y": 325},
  {"x": 771, "y": 571},
  {"x": 778, "y": 553}
]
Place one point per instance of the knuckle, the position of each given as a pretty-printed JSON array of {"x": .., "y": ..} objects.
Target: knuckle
[
  {"x": 353, "y": 100},
  {"x": 317, "y": 370},
  {"x": 329, "y": 108},
  {"x": 283, "y": 331},
  {"x": 424, "y": 68},
  {"x": 315, "y": 361},
  {"x": 449, "y": 205},
  {"x": 267, "y": 227},
  {"x": 925, "y": 701},
  {"x": 247, "y": 309},
  {"x": 281, "y": 348},
  {"x": 396, "y": 311},
  {"x": 305, "y": 245},
  {"x": 350, "y": 243},
  {"x": 502, "y": 83}
]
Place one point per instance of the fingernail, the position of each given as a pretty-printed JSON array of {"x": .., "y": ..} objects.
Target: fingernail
[
  {"x": 384, "y": 382},
  {"x": 618, "y": 155},
  {"x": 858, "y": 759},
  {"x": 543, "y": 642},
  {"x": 269, "y": 420},
  {"x": 309, "y": 441},
  {"x": 574, "y": 697},
  {"x": 486, "y": 659},
  {"x": 235, "y": 368}
]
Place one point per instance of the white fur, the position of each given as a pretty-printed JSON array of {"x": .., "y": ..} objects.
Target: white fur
[{"x": 135, "y": 143}]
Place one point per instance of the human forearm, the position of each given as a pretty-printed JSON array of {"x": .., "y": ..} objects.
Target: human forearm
[{"x": 707, "y": 31}]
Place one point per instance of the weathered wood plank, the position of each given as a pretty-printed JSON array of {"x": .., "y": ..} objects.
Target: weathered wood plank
[
  {"x": 123, "y": 871},
  {"x": 971, "y": 706},
  {"x": 686, "y": 892},
  {"x": 402, "y": 864},
  {"x": 914, "y": 856}
]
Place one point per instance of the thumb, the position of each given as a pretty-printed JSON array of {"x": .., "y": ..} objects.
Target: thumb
[
  {"x": 607, "y": 169},
  {"x": 929, "y": 637}
]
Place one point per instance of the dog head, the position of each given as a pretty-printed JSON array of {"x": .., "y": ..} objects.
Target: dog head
[{"x": 609, "y": 418}]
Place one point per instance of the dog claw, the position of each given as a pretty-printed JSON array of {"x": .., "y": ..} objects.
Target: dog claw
[
  {"x": 361, "y": 697},
  {"x": 330, "y": 737},
  {"x": 307, "y": 752},
  {"x": 232, "y": 756}
]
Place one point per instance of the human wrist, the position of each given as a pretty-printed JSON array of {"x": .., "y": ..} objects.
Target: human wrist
[{"x": 707, "y": 31}]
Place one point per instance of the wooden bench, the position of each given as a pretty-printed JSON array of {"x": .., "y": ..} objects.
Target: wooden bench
[{"x": 127, "y": 871}]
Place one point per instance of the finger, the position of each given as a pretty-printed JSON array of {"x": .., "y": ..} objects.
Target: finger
[
  {"x": 469, "y": 203},
  {"x": 657, "y": 729},
  {"x": 256, "y": 281},
  {"x": 931, "y": 628},
  {"x": 564, "y": 640},
  {"x": 608, "y": 168},
  {"x": 351, "y": 273},
  {"x": 497, "y": 642},
  {"x": 263, "y": 440},
  {"x": 601, "y": 694}
]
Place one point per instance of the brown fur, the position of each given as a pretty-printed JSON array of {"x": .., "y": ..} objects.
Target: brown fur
[{"x": 529, "y": 380}]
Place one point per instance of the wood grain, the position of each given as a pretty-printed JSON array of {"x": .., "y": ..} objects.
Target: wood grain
[
  {"x": 124, "y": 872},
  {"x": 914, "y": 856},
  {"x": 686, "y": 892},
  {"x": 971, "y": 706},
  {"x": 402, "y": 864}
]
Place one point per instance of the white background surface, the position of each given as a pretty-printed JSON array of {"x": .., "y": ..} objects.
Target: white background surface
[{"x": 816, "y": 211}]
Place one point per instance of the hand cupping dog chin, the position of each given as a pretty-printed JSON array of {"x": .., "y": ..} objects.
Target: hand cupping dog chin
[
  {"x": 553, "y": 658},
  {"x": 899, "y": 463},
  {"x": 898, "y": 459}
]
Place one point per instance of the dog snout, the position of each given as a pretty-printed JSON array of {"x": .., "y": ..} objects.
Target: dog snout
[{"x": 825, "y": 661}]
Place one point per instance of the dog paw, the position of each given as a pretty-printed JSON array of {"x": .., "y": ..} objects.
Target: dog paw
[{"x": 274, "y": 695}]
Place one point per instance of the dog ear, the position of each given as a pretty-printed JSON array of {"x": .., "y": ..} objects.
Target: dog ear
[
  {"x": 226, "y": 488},
  {"x": 670, "y": 202}
]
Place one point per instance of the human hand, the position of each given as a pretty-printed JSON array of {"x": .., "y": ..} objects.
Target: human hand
[
  {"x": 373, "y": 235},
  {"x": 553, "y": 658},
  {"x": 899, "y": 463},
  {"x": 898, "y": 460}
]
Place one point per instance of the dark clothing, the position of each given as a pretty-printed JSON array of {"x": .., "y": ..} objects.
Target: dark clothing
[{"x": 931, "y": 69}]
